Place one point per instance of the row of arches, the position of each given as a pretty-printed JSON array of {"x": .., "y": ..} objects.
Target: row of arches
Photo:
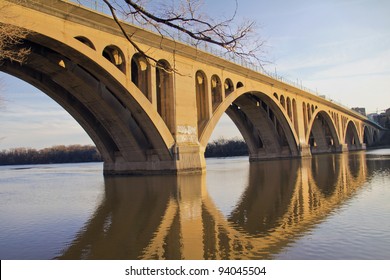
[
  {"x": 290, "y": 107},
  {"x": 308, "y": 112},
  {"x": 218, "y": 93},
  {"x": 212, "y": 91}
]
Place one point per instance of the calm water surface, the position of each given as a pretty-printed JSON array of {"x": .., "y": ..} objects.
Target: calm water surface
[{"x": 326, "y": 207}]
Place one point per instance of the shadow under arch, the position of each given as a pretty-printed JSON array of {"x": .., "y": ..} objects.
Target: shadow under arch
[
  {"x": 322, "y": 135},
  {"x": 264, "y": 126},
  {"x": 79, "y": 79}
]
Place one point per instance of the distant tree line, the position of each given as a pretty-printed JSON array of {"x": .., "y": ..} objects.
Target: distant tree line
[
  {"x": 89, "y": 153},
  {"x": 56, "y": 154},
  {"x": 226, "y": 148}
]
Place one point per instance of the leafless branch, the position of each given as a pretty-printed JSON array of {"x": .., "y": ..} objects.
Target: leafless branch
[
  {"x": 186, "y": 17},
  {"x": 150, "y": 59},
  {"x": 11, "y": 36}
]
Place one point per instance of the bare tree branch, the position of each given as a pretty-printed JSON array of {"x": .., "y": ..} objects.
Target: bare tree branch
[
  {"x": 11, "y": 36},
  {"x": 186, "y": 17}
]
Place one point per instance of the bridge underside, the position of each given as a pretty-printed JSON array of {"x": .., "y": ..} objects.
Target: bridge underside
[{"x": 263, "y": 127}]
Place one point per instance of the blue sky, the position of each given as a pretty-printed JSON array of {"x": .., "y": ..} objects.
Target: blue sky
[{"x": 339, "y": 48}]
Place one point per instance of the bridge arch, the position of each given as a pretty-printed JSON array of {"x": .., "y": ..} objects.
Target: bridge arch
[
  {"x": 264, "y": 126},
  {"x": 90, "y": 88},
  {"x": 368, "y": 136},
  {"x": 352, "y": 136},
  {"x": 322, "y": 135}
]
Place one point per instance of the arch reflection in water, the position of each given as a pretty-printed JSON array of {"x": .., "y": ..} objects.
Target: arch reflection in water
[{"x": 174, "y": 217}]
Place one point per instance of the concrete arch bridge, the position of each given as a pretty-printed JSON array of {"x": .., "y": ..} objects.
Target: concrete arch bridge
[{"x": 144, "y": 120}]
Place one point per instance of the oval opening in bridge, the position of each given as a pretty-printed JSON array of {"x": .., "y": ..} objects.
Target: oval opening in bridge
[
  {"x": 140, "y": 74},
  {"x": 229, "y": 87},
  {"x": 85, "y": 41},
  {"x": 216, "y": 91},
  {"x": 115, "y": 56},
  {"x": 164, "y": 92}
]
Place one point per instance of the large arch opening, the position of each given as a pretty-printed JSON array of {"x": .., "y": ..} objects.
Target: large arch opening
[
  {"x": 368, "y": 137},
  {"x": 30, "y": 118},
  {"x": 323, "y": 136},
  {"x": 121, "y": 129},
  {"x": 226, "y": 140},
  {"x": 352, "y": 137},
  {"x": 263, "y": 126}
]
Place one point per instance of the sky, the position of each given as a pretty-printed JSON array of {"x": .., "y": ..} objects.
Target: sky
[{"x": 339, "y": 48}]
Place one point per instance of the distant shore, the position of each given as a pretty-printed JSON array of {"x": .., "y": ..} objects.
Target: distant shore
[
  {"x": 55, "y": 154},
  {"x": 79, "y": 153},
  {"x": 89, "y": 153}
]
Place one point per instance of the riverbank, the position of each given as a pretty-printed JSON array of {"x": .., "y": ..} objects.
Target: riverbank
[
  {"x": 78, "y": 153},
  {"x": 55, "y": 154}
]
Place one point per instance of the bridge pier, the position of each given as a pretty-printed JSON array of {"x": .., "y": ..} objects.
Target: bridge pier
[
  {"x": 189, "y": 159},
  {"x": 304, "y": 150},
  {"x": 186, "y": 159},
  {"x": 342, "y": 148}
]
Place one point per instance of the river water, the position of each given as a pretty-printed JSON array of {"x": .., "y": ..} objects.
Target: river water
[{"x": 326, "y": 207}]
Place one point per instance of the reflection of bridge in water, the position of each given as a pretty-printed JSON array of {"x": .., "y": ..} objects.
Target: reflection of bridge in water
[{"x": 174, "y": 217}]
